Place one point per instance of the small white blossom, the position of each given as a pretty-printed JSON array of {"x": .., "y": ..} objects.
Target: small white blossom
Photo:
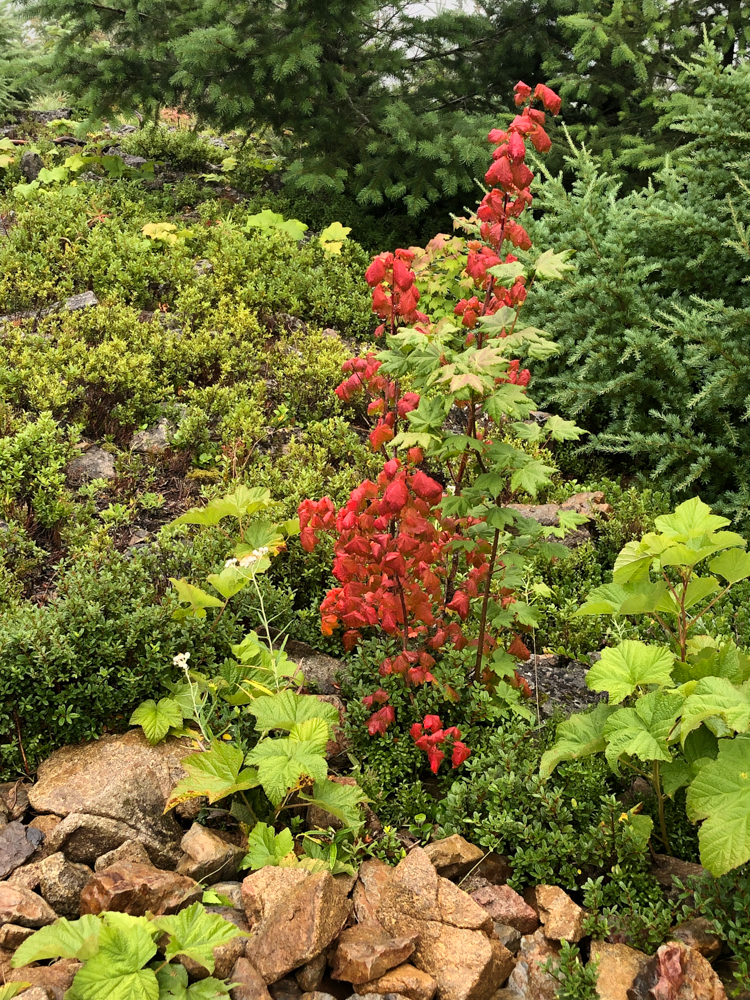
[
  {"x": 180, "y": 660},
  {"x": 255, "y": 556},
  {"x": 230, "y": 562}
]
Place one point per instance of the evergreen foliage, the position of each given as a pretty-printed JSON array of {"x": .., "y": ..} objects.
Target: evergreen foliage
[{"x": 16, "y": 59}]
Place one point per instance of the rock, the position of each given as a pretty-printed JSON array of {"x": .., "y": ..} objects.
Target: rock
[
  {"x": 46, "y": 824},
  {"x": 375, "y": 996},
  {"x": 225, "y": 955},
  {"x": 203, "y": 267},
  {"x": 85, "y": 838},
  {"x": 677, "y": 972},
  {"x": 561, "y": 918},
  {"x": 698, "y": 934},
  {"x": 618, "y": 965},
  {"x": 11, "y": 936},
  {"x": 371, "y": 880},
  {"x": 122, "y": 779},
  {"x": 315, "y": 995},
  {"x": 138, "y": 538},
  {"x": 588, "y": 503},
  {"x": 528, "y": 979},
  {"x": 366, "y": 952},
  {"x": 208, "y": 858},
  {"x": 61, "y": 883},
  {"x": 133, "y": 888},
  {"x": 494, "y": 868},
  {"x": 250, "y": 983},
  {"x": 96, "y": 463},
  {"x": 405, "y": 980},
  {"x": 265, "y": 889},
  {"x": 14, "y": 798},
  {"x": 285, "y": 989},
  {"x": 507, "y": 907},
  {"x": 455, "y": 945},
  {"x": 55, "y": 979},
  {"x": 129, "y": 850},
  {"x": 231, "y": 891},
  {"x": 508, "y": 936},
  {"x": 30, "y": 165},
  {"x": 153, "y": 440},
  {"x": 310, "y": 976},
  {"x": 321, "y": 672},
  {"x": 17, "y": 844},
  {"x": 665, "y": 869},
  {"x": 21, "y": 906},
  {"x": 27, "y": 877},
  {"x": 290, "y": 935},
  {"x": 82, "y": 301},
  {"x": 453, "y": 857},
  {"x": 35, "y": 993}
]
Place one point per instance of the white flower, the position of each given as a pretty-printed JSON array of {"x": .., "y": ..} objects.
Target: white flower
[
  {"x": 255, "y": 556},
  {"x": 180, "y": 661},
  {"x": 230, "y": 562}
]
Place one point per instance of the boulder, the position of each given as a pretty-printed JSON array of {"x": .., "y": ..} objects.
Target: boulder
[
  {"x": 528, "y": 979},
  {"x": 617, "y": 967},
  {"x": 208, "y": 858},
  {"x": 129, "y": 850},
  {"x": 28, "y": 876},
  {"x": 454, "y": 856},
  {"x": 153, "y": 440},
  {"x": 666, "y": 869},
  {"x": 17, "y": 844},
  {"x": 507, "y": 907},
  {"x": 405, "y": 980},
  {"x": 285, "y": 989},
  {"x": 371, "y": 880},
  {"x": 136, "y": 889},
  {"x": 225, "y": 955},
  {"x": 366, "y": 952},
  {"x": 21, "y": 906},
  {"x": 96, "y": 463},
  {"x": 30, "y": 165},
  {"x": 456, "y": 947},
  {"x": 35, "y": 993},
  {"x": 321, "y": 672},
  {"x": 45, "y": 823},
  {"x": 81, "y": 301},
  {"x": 310, "y": 975},
  {"x": 263, "y": 890},
  {"x": 61, "y": 883},
  {"x": 290, "y": 935},
  {"x": 677, "y": 972},
  {"x": 231, "y": 891},
  {"x": 250, "y": 983},
  {"x": 11, "y": 936},
  {"x": 698, "y": 933},
  {"x": 508, "y": 936},
  {"x": 495, "y": 868},
  {"x": 120, "y": 779},
  {"x": 55, "y": 979},
  {"x": 561, "y": 918}
]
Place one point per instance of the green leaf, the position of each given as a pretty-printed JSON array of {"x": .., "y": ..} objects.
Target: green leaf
[
  {"x": 208, "y": 989},
  {"x": 699, "y": 588},
  {"x": 630, "y": 665},
  {"x": 173, "y": 982},
  {"x": 230, "y": 581},
  {"x": 195, "y": 933},
  {"x": 197, "y": 599},
  {"x": 604, "y": 600},
  {"x": 712, "y": 699},
  {"x": 643, "y": 731},
  {"x": 63, "y": 939},
  {"x": 243, "y": 501},
  {"x": 11, "y": 990},
  {"x": 315, "y": 732},
  {"x": 342, "y": 801},
  {"x": 552, "y": 266},
  {"x": 562, "y": 430},
  {"x": 214, "y": 773},
  {"x": 675, "y": 774},
  {"x": 732, "y": 564},
  {"x": 692, "y": 519},
  {"x": 633, "y": 562},
  {"x": 157, "y": 719},
  {"x": 264, "y": 847},
  {"x": 720, "y": 796},
  {"x": 286, "y": 709},
  {"x": 506, "y": 274},
  {"x": 281, "y": 763},
  {"x": 49, "y": 175},
  {"x": 579, "y": 736},
  {"x": 531, "y": 476},
  {"x": 116, "y": 971}
]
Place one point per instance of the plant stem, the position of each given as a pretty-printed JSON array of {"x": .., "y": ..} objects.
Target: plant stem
[
  {"x": 660, "y": 801},
  {"x": 485, "y": 606}
]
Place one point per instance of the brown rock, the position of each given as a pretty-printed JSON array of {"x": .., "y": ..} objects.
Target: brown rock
[
  {"x": 231, "y": 891},
  {"x": 133, "y": 888},
  {"x": 588, "y": 503},
  {"x": 45, "y": 823},
  {"x": 129, "y": 850},
  {"x": 208, "y": 858},
  {"x": 263, "y": 890},
  {"x": 11, "y": 936},
  {"x": 285, "y": 989},
  {"x": 225, "y": 955},
  {"x": 528, "y": 979},
  {"x": 17, "y": 844},
  {"x": 371, "y": 880},
  {"x": 507, "y": 907},
  {"x": 35, "y": 993},
  {"x": 455, "y": 945},
  {"x": 316, "y": 995},
  {"x": 406, "y": 980},
  {"x": 55, "y": 979},
  {"x": 250, "y": 983},
  {"x": 122, "y": 779},
  {"x": 310, "y": 976},
  {"x": 679, "y": 973},
  {"x": 14, "y": 798},
  {"x": 665, "y": 869},
  {"x": 493, "y": 867},
  {"x": 699, "y": 934},
  {"x": 85, "y": 838},
  {"x": 28, "y": 876},
  {"x": 61, "y": 883},
  {"x": 312, "y": 915},
  {"x": 618, "y": 966},
  {"x": 561, "y": 918},
  {"x": 21, "y": 906},
  {"x": 366, "y": 952},
  {"x": 453, "y": 857}
]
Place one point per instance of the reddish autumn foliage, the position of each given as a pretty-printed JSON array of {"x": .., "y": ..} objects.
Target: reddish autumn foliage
[{"x": 434, "y": 740}]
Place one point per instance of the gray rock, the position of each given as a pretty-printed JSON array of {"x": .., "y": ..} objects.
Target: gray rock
[
  {"x": 208, "y": 858},
  {"x": 153, "y": 440},
  {"x": 96, "y": 463},
  {"x": 558, "y": 684},
  {"x": 31, "y": 164},
  {"x": 84, "y": 838},
  {"x": 285, "y": 989},
  {"x": 82, "y": 301},
  {"x": 44, "y": 117},
  {"x": 231, "y": 891},
  {"x": 61, "y": 883},
  {"x": 125, "y": 130},
  {"x": 129, "y": 850},
  {"x": 17, "y": 844},
  {"x": 203, "y": 266},
  {"x": 508, "y": 936}
]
